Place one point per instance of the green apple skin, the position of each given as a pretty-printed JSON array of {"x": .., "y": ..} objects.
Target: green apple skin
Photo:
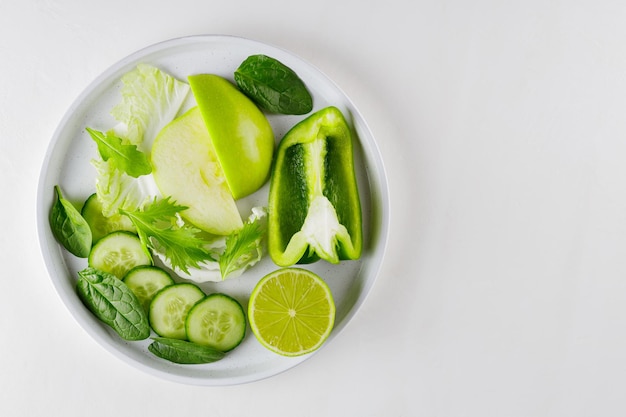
[
  {"x": 241, "y": 134},
  {"x": 185, "y": 167}
]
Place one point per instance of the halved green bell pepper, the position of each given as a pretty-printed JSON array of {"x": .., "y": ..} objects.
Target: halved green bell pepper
[{"x": 314, "y": 207}]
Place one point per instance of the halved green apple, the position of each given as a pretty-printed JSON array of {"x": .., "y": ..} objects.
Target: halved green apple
[
  {"x": 185, "y": 166},
  {"x": 240, "y": 132}
]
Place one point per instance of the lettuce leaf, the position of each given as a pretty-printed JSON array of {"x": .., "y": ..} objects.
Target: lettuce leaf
[
  {"x": 117, "y": 190},
  {"x": 150, "y": 100}
]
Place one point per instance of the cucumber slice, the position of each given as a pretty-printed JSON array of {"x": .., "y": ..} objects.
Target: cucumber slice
[
  {"x": 217, "y": 321},
  {"x": 169, "y": 308},
  {"x": 117, "y": 253},
  {"x": 101, "y": 225},
  {"x": 145, "y": 281}
]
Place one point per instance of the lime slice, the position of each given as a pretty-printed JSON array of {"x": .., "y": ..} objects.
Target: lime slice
[{"x": 291, "y": 311}]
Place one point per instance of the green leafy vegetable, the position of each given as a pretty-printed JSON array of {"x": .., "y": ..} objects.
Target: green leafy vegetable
[
  {"x": 151, "y": 99},
  {"x": 157, "y": 228},
  {"x": 114, "y": 303},
  {"x": 69, "y": 227},
  {"x": 117, "y": 190},
  {"x": 273, "y": 86},
  {"x": 242, "y": 248},
  {"x": 125, "y": 157},
  {"x": 183, "y": 352}
]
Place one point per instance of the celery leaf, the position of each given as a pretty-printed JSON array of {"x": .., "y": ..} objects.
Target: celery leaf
[
  {"x": 159, "y": 230},
  {"x": 243, "y": 248}
]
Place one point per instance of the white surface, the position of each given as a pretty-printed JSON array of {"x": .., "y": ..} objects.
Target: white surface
[{"x": 503, "y": 131}]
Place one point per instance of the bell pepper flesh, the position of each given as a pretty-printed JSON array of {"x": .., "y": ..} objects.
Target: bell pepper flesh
[{"x": 314, "y": 206}]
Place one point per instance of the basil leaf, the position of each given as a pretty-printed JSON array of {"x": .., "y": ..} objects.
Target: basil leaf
[
  {"x": 114, "y": 303},
  {"x": 273, "y": 86},
  {"x": 184, "y": 352},
  {"x": 69, "y": 227},
  {"x": 127, "y": 158}
]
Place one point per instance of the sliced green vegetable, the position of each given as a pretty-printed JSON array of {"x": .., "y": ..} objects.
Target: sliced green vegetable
[
  {"x": 126, "y": 157},
  {"x": 118, "y": 252},
  {"x": 314, "y": 206},
  {"x": 169, "y": 308},
  {"x": 183, "y": 352},
  {"x": 217, "y": 321},
  {"x": 114, "y": 303},
  {"x": 69, "y": 227},
  {"x": 101, "y": 225},
  {"x": 158, "y": 229},
  {"x": 145, "y": 281},
  {"x": 273, "y": 86}
]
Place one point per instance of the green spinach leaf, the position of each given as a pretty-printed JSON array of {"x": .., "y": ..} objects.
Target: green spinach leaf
[
  {"x": 127, "y": 157},
  {"x": 69, "y": 227},
  {"x": 273, "y": 86},
  {"x": 184, "y": 352},
  {"x": 114, "y": 303}
]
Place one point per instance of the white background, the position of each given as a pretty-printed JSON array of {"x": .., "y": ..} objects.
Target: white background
[{"x": 502, "y": 126}]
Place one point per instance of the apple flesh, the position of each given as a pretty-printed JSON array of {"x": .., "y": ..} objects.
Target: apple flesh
[
  {"x": 241, "y": 134},
  {"x": 185, "y": 167}
]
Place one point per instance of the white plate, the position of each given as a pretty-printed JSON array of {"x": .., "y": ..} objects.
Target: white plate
[{"x": 67, "y": 163}]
